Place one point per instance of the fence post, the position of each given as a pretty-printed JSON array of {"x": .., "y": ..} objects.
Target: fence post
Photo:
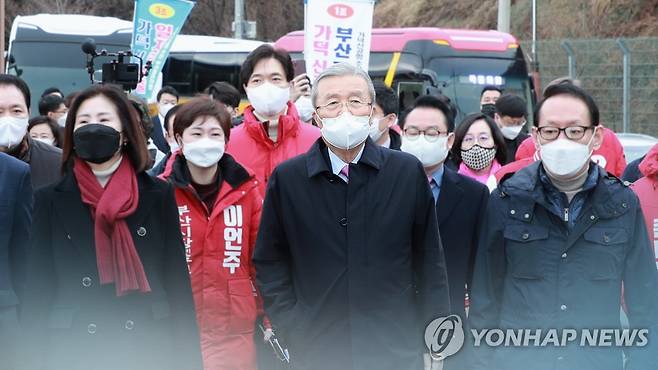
[
  {"x": 570, "y": 57},
  {"x": 627, "y": 83}
]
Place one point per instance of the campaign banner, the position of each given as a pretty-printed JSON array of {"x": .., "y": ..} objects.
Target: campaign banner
[
  {"x": 337, "y": 31},
  {"x": 156, "y": 25}
]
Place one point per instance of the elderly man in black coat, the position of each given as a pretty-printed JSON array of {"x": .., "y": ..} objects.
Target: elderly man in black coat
[{"x": 348, "y": 257}]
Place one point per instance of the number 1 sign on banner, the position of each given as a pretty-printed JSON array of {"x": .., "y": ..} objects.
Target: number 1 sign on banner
[{"x": 337, "y": 31}]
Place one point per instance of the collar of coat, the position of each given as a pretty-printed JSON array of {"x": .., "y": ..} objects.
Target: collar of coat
[
  {"x": 317, "y": 158},
  {"x": 288, "y": 125},
  {"x": 609, "y": 197},
  {"x": 69, "y": 183},
  {"x": 230, "y": 170}
]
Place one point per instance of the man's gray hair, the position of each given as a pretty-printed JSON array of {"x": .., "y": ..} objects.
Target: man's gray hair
[{"x": 342, "y": 69}]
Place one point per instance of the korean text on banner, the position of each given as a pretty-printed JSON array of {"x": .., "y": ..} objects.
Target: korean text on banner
[
  {"x": 337, "y": 31},
  {"x": 156, "y": 25}
]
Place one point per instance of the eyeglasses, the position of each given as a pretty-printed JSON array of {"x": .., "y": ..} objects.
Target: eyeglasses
[
  {"x": 571, "y": 132},
  {"x": 431, "y": 134},
  {"x": 353, "y": 105}
]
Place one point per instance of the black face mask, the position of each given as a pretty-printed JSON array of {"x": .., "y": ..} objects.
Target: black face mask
[
  {"x": 489, "y": 109},
  {"x": 96, "y": 143}
]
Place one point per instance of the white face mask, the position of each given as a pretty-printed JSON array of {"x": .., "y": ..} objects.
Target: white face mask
[
  {"x": 204, "y": 152},
  {"x": 428, "y": 153},
  {"x": 268, "y": 99},
  {"x": 375, "y": 133},
  {"x": 564, "y": 157},
  {"x": 163, "y": 109},
  {"x": 511, "y": 132},
  {"x": 12, "y": 131},
  {"x": 304, "y": 108},
  {"x": 46, "y": 141},
  {"x": 346, "y": 131},
  {"x": 61, "y": 121}
]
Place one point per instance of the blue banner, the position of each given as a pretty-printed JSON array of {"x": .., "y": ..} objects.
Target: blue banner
[{"x": 156, "y": 25}]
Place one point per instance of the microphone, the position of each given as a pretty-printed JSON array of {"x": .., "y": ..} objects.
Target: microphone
[{"x": 89, "y": 47}]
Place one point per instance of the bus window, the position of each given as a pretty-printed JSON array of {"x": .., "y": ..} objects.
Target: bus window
[
  {"x": 177, "y": 72},
  {"x": 192, "y": 73},
  {"x": 462, "y": 80}
]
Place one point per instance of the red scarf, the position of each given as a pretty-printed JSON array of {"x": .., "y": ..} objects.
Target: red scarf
[{"x": 116, "y": 256}]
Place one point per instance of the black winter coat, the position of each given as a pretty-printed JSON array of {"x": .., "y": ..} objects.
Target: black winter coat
[
  {"x": 73, "y": 322},
  {"x": 533, "y": 271},
  {"x": 351, "y": 274}
]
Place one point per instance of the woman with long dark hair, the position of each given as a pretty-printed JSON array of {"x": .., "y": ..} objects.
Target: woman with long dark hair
[{"x": 107, "y": 284}]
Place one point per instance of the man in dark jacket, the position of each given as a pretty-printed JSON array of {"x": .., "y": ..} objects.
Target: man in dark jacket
[
  {"x": 44, "y": 160},
  {"x": 348, "y": 257},
  {"x": 510, "y": 117},
  {"x": 460, "y": 201},
  {"x": 560, "y": 238},
  {"x": 15, "y": 225},
  {"x": 385, "y": 117}
]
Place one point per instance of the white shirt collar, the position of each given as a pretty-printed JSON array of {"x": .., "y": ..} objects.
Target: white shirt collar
[
  {"x": 387, "y": 143},
  {"x": 337, "y": 163}
]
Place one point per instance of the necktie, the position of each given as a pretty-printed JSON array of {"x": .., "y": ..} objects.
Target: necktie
[{"x": 345, "y": 171}]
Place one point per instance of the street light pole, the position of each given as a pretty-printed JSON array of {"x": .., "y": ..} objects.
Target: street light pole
[
  {"x": 238, "y": 24},
  {"x": 534, "y": 32},
  {"x": 504, "y": 15},
  {"x": 2, "y": 36}
]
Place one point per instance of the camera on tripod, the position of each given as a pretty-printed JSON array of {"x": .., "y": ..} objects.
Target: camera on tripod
[{"x": 118, "y": 71}]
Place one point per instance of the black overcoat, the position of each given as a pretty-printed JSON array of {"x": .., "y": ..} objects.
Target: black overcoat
[
  {"x": 73, "y": 322},
  {"x": 351, "y": 273}
]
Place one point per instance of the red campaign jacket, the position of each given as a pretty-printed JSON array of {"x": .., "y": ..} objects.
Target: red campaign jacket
[
  {"x": 219, "y": 247},
  {"x": 646, "y": 189},
  {"x": 251, "y": 146},
  {"x": 609, "y": 156}
]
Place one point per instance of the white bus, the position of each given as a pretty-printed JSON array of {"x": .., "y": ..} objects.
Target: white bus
[
  {"x": 45, "y": 49},
  {"x": 197, "y": 61}
]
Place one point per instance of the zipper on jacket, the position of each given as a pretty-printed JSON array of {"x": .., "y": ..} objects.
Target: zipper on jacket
[{"x": 566, "y": 215}]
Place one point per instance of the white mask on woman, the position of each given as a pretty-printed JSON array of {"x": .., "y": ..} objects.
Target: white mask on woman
[
  {"x": 268, "y": 99},
  {"x": 204, "y": 152},
  {"x": 50, "y": 141},
  {"x": 346, "y": 131}
]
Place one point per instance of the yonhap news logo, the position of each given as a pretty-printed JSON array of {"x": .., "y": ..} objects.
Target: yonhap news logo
[
  {"x": 444, "y": 336},
  {"x": 560, "y": 337}
]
